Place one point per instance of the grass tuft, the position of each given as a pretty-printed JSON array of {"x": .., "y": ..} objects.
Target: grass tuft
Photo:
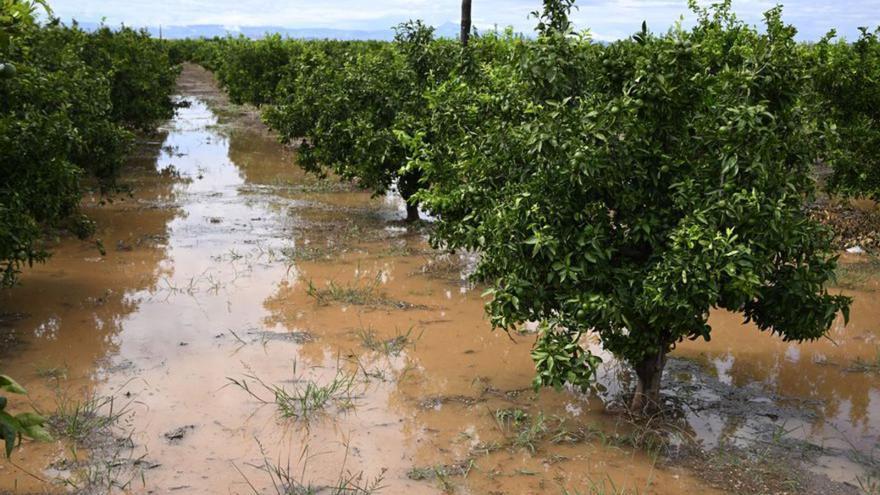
[
  {"x": 306, "y": 398},
  {"x": 285, "y": 481},
  {"x": 356, "y": 294},
  {"x": 79, "y": 420},
  {"x": 102, "y": 426},
  {"x": 390, "y": 347}
]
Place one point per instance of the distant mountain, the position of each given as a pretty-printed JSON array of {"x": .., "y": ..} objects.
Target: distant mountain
[{"x": 448, "y": 30}]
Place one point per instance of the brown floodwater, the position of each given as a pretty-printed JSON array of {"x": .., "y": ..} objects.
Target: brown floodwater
[{"x": 220, "y": 266}]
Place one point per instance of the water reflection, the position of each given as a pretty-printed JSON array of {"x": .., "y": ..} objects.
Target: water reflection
[
  {"x": 72, "y": 308},
  {"x": 837, "y": 403},
  {"x": 70, "y": 313}
]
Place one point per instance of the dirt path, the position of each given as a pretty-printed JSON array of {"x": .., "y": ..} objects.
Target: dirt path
[{"x": 253, "y": 323}]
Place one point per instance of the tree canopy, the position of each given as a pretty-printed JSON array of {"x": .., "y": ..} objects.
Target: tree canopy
[
  {"x": 629, "y": 190},
  {"x": 69, "y": 101}
]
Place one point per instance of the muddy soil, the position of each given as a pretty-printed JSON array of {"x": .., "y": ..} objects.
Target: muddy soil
[{"x": 252, "y": 329}]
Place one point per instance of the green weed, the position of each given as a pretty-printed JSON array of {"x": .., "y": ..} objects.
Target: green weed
[
  {"x": 285, "y": 481},
  {"x": 390, "y": 347},
  {"x": 306, "y": 398}
]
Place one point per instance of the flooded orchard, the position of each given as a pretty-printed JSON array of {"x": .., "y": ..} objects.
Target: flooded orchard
[{"x": 249, "y": 328}]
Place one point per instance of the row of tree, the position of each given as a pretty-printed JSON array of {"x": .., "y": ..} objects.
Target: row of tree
[
  {"x": 70, "y": 101},
  {"x": 347, "y": 98},
  {"x": 622, "y": 189}
]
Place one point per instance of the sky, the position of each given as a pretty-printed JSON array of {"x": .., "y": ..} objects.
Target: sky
[{"x": 606, "y": 19}]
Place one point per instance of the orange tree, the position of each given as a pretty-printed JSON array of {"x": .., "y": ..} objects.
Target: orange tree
[
  {"x": 347, "y": 104},
  {"x": 628, "y": 190},
  {"x": 68, "y": 100},
  {"x": 846, "y": 79},
  {"x": 250, "y": 70},
  {"x": 139, "y": 71}
]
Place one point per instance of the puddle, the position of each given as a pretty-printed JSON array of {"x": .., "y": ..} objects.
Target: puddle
[
  {"x": 229, "y": 267},
  {"x": 824, "y": 395}
]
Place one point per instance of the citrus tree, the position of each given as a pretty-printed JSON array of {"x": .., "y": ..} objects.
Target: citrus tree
[
  {"x": 347, "y": 100},
  {"x": 847, "y": 83},
  {"x": 68, "y": 102},
  {"x": 629, "y": 190},
  {"x": 139, "y": 71},
  {"x": 250, "y": 70}
]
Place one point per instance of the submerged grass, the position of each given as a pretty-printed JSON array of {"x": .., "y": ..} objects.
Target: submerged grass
[
  {"x": 858, "y": 275},
  {"x": 532, "y": 433},
  {"x": 329, "y": 185},
  {"x": 52, "y": 372},
  {"x": 286, "y": 481},
  {"x": 101, "y": 425},
  {"x": 511, "y": 418},
  {"x": 444, "y": 267},
  {"x": 393, "y": 346},
  {"x": 115, "y": 472},
  {"x": 442, "y": 474},
  {"x": 865, "y": 365},
  {"x": 80, "y": 420},
  {"x": 523, "y": 430},
  {"x": 601, "y": 487},
  {"x": 401, "y": 249},
  {"x": 306, "y": 398},
  {"x": 356, "y": 294},
  {"x": 527, "y": 430},
  {"x": 310, "y": 252}
]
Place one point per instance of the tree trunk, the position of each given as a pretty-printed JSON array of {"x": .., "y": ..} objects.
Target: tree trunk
[
  {"x": 465, "y": 22},
  {"x": 412, "y": 212},
  {"x": 407, "y": 186},
  {"x": 650, "y": 374}
]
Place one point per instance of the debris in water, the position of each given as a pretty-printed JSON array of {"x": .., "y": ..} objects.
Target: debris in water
[{"x": 177, "y": 434}]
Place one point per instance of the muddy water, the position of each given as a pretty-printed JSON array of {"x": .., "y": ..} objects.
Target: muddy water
[
  {"x": 834, "y": 383},
  {"x": 219, "y": 267}
]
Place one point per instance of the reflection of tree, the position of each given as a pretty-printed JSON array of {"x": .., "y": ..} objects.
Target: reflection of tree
[
  {"x": 825, "y": 387},
  {"x": 812, "y": 375},
  {"x": 261, "y": 159},
  {"x": 284, "y": 309},
  {"x": 76, "y": 303}
]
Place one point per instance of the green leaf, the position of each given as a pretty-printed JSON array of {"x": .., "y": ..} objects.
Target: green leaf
[
  {"x": 9, "y": 420},
  {"x": 38, "y": 433},
  {"x": 10, "y": 436},
  {"x": 30, "y": 419},
  {"x": 9, "y": 385}
]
